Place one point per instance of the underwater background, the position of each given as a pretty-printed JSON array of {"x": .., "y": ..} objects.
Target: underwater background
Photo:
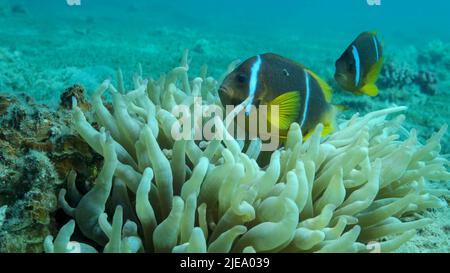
[{"x": 47, "y": 46}]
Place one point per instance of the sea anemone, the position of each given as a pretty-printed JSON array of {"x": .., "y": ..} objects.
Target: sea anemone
[
  {"x": 2, "y": 215},
  {"x": 360, "y": 189}
]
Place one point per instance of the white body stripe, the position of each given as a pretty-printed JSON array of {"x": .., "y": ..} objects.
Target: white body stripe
[
  {"x": 253, "y": 82},
  {"x": 357, "y": 65},
  {"x": 376, "y": 47},
  {"x": 308, "y": 91}
]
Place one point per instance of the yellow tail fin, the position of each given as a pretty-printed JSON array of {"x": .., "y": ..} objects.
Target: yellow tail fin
[{"x": 370, "y": 90}]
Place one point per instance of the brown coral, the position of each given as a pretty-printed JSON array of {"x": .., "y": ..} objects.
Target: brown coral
[
  {"x": 38, "y": 149},
  {"x": 74, "y": 93}
]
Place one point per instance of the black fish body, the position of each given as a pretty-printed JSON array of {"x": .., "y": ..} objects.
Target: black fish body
[
  {"x": 359, "y": 66},
  {"x": 271, "y": 79}
]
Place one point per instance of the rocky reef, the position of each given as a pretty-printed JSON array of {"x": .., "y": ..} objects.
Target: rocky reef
[
  {"x": 435, "y": 56},
  {"x": 38, "y": 149}
]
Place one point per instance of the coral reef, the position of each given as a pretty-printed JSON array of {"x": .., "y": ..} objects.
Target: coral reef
[
  {"x": 37, "y": 152},
  {"x": 75, "y": 92},
  {"x": 400, "y": 76},
  {"x": 396, "y": 75},
  {"x": 361, "y": 189},
  {"x": 435, "y": 54},
  {"x": 430, "y": 66},
  {"x": 427, "y": 81}
]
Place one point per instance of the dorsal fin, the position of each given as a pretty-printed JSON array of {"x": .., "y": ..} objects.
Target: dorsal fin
[{"x": 326, "y": 89}]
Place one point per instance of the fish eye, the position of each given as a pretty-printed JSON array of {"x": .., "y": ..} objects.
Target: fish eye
[{"x": 242, "y": 78}]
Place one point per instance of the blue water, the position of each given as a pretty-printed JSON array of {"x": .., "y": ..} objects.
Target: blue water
[
  {"x": 59, "y": 45},
  {"x": 409, "y": 21}
]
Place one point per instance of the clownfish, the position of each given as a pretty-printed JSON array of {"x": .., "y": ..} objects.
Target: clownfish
[
  {"x": 270, "y": 79},
  {"x": 358, "y": 68}
]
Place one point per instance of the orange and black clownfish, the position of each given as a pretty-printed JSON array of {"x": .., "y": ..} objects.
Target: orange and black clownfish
[
  {"x": 358, "y": 68},
  {"x": 270, "y": 79}
]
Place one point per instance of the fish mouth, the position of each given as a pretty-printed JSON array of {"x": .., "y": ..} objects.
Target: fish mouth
[
  {"x": 225, "y": 95},
  {"x": 229, "y": 97},
  {"x": 223, "y": 89}
]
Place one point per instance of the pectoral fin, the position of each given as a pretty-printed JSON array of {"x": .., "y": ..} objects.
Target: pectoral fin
[
  {"x": 288, "y": 106},
  {"x": 370, "y": 88}
]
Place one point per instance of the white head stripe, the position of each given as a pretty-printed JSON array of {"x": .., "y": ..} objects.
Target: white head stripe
[
  {"x": 357, "y": 64},
  {"x": 253, "y": 82}
]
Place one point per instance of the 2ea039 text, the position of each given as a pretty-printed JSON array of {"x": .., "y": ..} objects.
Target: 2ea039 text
[{"x": 227, "y": 263}]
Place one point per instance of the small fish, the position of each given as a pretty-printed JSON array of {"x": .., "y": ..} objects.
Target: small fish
[
  {"x": 270, "y": 79},
  {"x": 358, "y": 68}
]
